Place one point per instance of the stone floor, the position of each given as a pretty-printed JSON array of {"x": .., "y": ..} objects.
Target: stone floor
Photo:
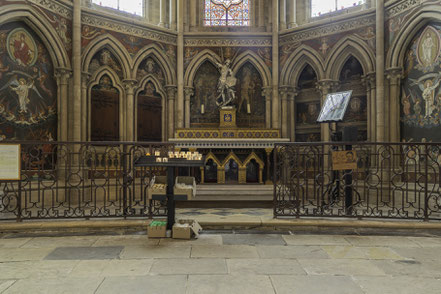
[{"x": 221, "y": 262}]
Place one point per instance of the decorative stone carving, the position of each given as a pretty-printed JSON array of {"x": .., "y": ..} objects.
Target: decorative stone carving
[
  {"x": 62, "y": 75},
  {"x": 221, "y": 41},
  {"x": 54, "y": 6},
  {"x": 401, "y": 7},
  {"x": 130, "y": 85},
  {"x": 171, "y": 92}
]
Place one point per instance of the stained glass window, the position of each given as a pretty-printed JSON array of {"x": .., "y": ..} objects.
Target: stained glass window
[
  {"x": 319, "y": 7},
  {"x": 227, "y": 13},
  {"x": 130, "y": 6}
]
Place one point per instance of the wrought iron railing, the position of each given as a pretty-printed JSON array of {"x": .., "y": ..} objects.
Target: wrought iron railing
[
  {"x": 392, "y": 180},
  {"x": 81, "y": 180}
]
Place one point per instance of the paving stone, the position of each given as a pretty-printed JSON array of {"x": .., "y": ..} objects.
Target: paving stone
[
  {"x": 361, "y": 252},
  {"x": 55, "y": 286},
  {"x": 53, "y": 242},
  {"x": 110, "y": 268},
  {"x": 307, "y": 252},
  {"x": 315, "y": 240},
  {"x": 5, "y": 284},
  {"x": 203, "y": 239},
  {"x": 84, "y": 253},
  {"x": 427, "y": 241},
  {"x": 344, "y": 267},
  {"x": 193, "y": 266},
  {"x": 13, "y": 242},
  {"x": 427, "y": 268},
  {"x": 265, "y": 267},
  {"x": 36, "y": 269},
  {"x": 315, "y": 285},
  {"x": 398, "y": 285},
  {"x": 125, "y": 240},
  {"x": 147, "y": 284},
  {"x": 21, "y": 254},
  {"x": 224, "y": 251},
  {"x": 419, "y": 253},
  {"x": 134, "y": 252},
  {"x": 229, "y": 284},
  {"x": 253, "y": 239},
  {"x": 382, "y": 241}
]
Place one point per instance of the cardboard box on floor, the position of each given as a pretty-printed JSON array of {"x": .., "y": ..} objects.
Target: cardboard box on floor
[
  {"x": 186, "y": 229},
  {"x": 157, "y": 229}
]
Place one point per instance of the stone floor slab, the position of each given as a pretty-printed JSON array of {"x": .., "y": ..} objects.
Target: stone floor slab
[
  {"x": 36, "y": 269},
  {"x": 224, "y": 251},
  {"x": 147, "y": 284},
  {"x": 427, "y": 241},
  {"x": 361, "y": 252},
  {"x": 125, "y": 240},
  {"x": 253, "y": 239},
  {"x": 53, "y": 242},
  {"x": 229, "y": 284},
  {"x": 265, "y": 267},
  {"x": 84, "y": 253},
  {"x": 135, "y": 252},
  {"x": 398, "y": 285},
  {"x": 193, "y": 266},
  {"x": 344, "y": 267},
  {"x": 21, "y": 254},
  {"x": 308, "y": 252},
  {"x": 203, "y": 239},
  {"x": 426, "y": 268},
  {"x": 315, "y": 285},
  {"x": 55, "y": 286},
  {"x": 5, "y": 284},
  {"x": 316, "y": 240},
  {"x": 381, "y": 241},
  {"x": 13, "y": 242},
  {"x": 419, "y": 253}
]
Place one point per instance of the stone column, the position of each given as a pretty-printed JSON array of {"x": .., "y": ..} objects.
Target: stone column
[
  {"x": 267, "y": 92},
  {"x": 62, "y": 76},
  {"x": 261, "y": 18},
  {"x": 173, "y": 14},
  {"x": 162, "y": 13},
  {"x": 268, "y": 164},
  {"x": 188, "y": 92},
  {"x": 394, "y": 76},
  {"x": 275, "y": 69},
  {"x": 180, "y": 66},
  {"x": 171, "y": 94},
  {"x": 282, "y": 14},
  {"x": 283, "y": 94},
  {"x": 325, "y": 86},
  {"x": 292, "y": 111},
  {"x": 192, "y": 14},
  {"x": 75, "y": 105},
  {"x": 381, "y": 136},
  {"x": 270, "y": 14},
  {"x": 373, "y": 103},
  {"x": 292, "y": 14},
  {"x": 147, "y": 10},
  {"x": 129, "y": 119},
  {"x": 84, "y": 106}
]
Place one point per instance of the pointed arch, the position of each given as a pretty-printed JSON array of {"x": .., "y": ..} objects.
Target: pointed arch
[
  {"x": 151, "y": 78},
  {"x": 196, "y": 62},
  {"x": 397, "y": 50},
  {"x": 42, "y": 28},
  {"x": 302, "y": 56},
  {"x": 209, "y": 156},
  {"x": 259, "y": 64},
  {"x": 343, "y": 50},
  {"x": 256, "y": 158},
  {"x": 154, "y": 51},
  {"x": 233, "y": 156},
  {"x": 110, "y": 42}
]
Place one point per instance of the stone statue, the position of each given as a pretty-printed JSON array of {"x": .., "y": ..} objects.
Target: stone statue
[{"x": 225, "y": 86}]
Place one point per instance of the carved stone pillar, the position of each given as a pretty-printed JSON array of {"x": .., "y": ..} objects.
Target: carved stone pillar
[
  {"x": 394, "y": 76},
  {"x": 325, "y": 87},
  {"x": 292, "y": 14},
  {"x": 162, "y": 13},
  {"x": 62, "y": 76},
  {"x": 282, "y": 14},
  {"x": 173, "y": 14},
  {"x": 188, "y": 92},
  {"x": 180, "y": 66},
  {"x": 171, "y": 94},
  {"x": 292, "y": 115},
  {"x": 192, "y": 14},
  {"x": 75, "y": 105},
  {"x": 268, "y": 165},
  {"x": 372, "y": 119},
  {"x": 261, "y": 18},
  {"x": 283, "y": 94},
  {"x": 267, "y": 92},
  {"x": 381, "y": 136},
  {"x": 129, "y": 119},
  {"x": 275, "y": 67},
  {"x": 84, "y": 106}
]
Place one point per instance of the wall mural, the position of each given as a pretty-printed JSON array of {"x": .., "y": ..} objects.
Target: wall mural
[
  {"x": 104, "y": 111},
  {"x": 28, "y": 95},
  {"x": 149, "y": 66},
  {"x": 421, "y": 89},
  {"x": 105, "y": 57},
  {"x": 149, "y": 126}
]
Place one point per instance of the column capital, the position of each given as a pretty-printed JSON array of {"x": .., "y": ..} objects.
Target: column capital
[
  {"x": 62, "y": 75},
  {"x": 370, "y": 80},
  {"x": 171, "y": 91},
  {"x": 267, "y": 92},
  {"x": 283, "y": 91},
  {"x": 326, "y": 86},
  {"x": 394, "y": 75},
  {"x": 188, "y": 91},
  {"x": 130, "y": 85},
  {"x": 85, "y": 76}
]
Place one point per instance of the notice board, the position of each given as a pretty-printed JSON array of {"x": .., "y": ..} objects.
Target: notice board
[{"x": 10, "y": 162}]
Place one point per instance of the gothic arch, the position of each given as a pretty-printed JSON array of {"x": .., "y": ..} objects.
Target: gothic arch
[
  {"x": 396, "y": 53},
  {"x": 116, "y": 82},
  {"x": 110, "y": 42},
  {"x": 155, "y": 51},
  {"x": 257, "y": 62},
  {"x": 347, "y": 47},
  {"x": 42, "y": 28},
  {"x": 196, "y": 62},
  {"x": 154, "y": 81},
  {"x": 299, "y": 59},
  {"x": 233, "y": 156}
]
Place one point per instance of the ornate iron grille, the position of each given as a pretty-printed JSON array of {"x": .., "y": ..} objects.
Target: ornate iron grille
[{"x": 392, "y": 180}]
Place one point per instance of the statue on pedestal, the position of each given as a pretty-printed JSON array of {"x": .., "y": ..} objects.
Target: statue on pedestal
[{"x": 226, "y": 84}]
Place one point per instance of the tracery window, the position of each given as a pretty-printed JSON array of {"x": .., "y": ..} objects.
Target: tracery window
[
  {"x": 319, "y": 7},
  {"x": 227, "y": 13},
  {"x": 130, "y": 6}
]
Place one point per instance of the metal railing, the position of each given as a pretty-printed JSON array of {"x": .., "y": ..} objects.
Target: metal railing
[
  {"x": 81, "y": 180},
  {"x": 392, "y": 180}
]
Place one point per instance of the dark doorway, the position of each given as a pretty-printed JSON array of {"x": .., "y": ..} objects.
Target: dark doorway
[
  {"x": 231, "y": 172},
  {"x": 252, "y": 172},
  {"x": 210, "y": 173}
]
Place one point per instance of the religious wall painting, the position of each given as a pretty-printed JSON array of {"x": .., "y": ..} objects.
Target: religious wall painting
[
  {"x": 250, "y": 103},
  {"x": 150, "y": 66},
  {"x": 266, "y": 55},
  {"x": 106, "y": 57},
  {"x": 105, "y": 111},
  {"x": 421, "y": 89},
  {"x": 27, "y": 87},
  {"x": 89, "y": 33},
  {"x": 307, "y": 78},
  {"x": 62, "y": 26},
  {"x": 368, "y": 35},
  {"x": 286, "y": 50},
  {"x": 307, "y": 112},
  {"x": 149, "y": 116},
  {"x": 352, "y": 70},
  {"x": 203, "y": 108}
]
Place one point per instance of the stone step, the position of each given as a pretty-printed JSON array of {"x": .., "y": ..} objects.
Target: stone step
[{"x": 208, "y": 192}]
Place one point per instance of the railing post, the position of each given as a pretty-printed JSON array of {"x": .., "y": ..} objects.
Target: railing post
[
  {"x": 275, "y": 180},
  {"x": 426, "y": 184},
  {"x": 124, "y": 165},
  {"x": 19, "y": 202}
]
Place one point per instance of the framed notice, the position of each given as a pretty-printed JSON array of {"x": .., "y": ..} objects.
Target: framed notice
[
  {"x": 343, "y": 160},
  {"x": 10, "y": 162},
  {"x": 334, "y": 108}
]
